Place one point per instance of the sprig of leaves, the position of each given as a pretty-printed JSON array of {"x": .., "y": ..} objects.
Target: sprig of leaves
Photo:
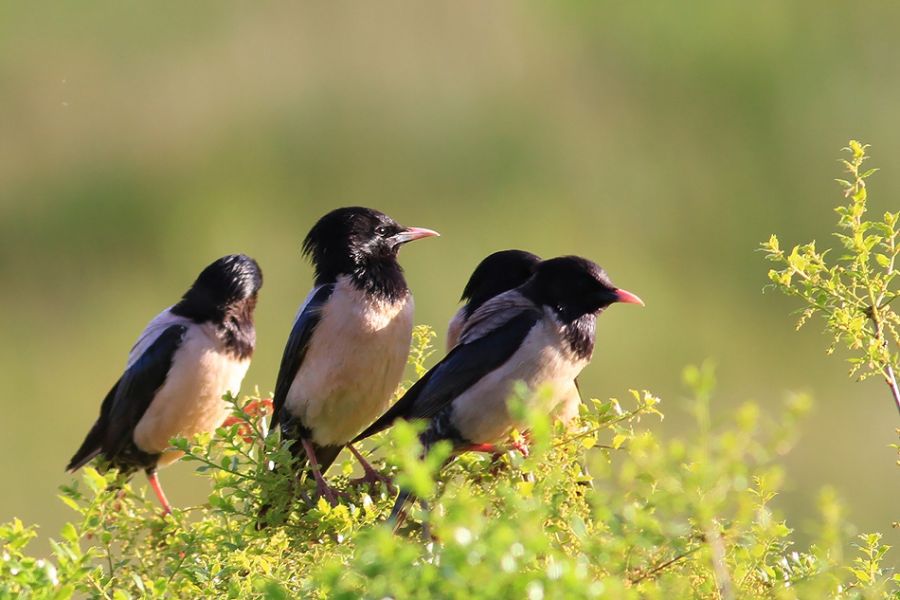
[{"x": 853, "y": 292}]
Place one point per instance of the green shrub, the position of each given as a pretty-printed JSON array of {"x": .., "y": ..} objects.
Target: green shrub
[{"x": 607, "y": 509}]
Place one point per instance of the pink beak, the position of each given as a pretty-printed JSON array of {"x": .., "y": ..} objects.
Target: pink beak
[
  {"x": 628, "y": 298},
  {"x": 414, "y": 233}
]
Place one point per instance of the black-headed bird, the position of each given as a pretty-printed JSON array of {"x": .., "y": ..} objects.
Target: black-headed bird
[
  {"x": 541, "y": 333},
  {"x": 187, "y": 358},
  {"x": 497, "y": 273},
  {"x": 347, "y": 350}
]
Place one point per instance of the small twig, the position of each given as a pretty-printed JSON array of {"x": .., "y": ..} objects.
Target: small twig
[
  {"x": 664, "y": 565},
  {"x": 887, "y": 371},
  {"x": 595, "y": 430},
  {"x": 720, "y": 569},
  {"x": 209, "y": 463},
  {"x": 99, "y": 588},
  {"x": 112, "y": 570},
  {"x": 891, "y": 381},
  {"x": 179, "y": 565}
]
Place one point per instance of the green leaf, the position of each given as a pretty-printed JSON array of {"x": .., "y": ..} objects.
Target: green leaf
[
  {"x": 69, "y": 533},
  {"x": 70, "y": 503},
  {"x": 94, "y": 480}
]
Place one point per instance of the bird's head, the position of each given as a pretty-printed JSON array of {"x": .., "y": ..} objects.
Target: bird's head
[
  {"x": 574, "y": 286},
  {"x": 498, "y": 273},
  {"x": 349, "y": 240},
  {"x": 229, "y": 281}
]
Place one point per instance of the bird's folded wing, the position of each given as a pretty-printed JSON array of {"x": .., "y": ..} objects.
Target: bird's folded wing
[
  {"x": 152, "y": 331},
  {"x": 298, "y": 343},
  {"x": 459, "y": 370},
  {"x": 493, "y": 314},
  {"x": 137, "y": 388}
]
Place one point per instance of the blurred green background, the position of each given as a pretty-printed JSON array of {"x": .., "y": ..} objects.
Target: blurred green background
[{"x": 664, "y": 140}]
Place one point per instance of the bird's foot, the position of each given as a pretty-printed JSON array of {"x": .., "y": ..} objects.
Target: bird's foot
[
  {"x": 323, "y": 490},
  {"x": 330, "y": 494},
  {"x": 521, "y": 445},
  {"x": 372, "y": 478}
]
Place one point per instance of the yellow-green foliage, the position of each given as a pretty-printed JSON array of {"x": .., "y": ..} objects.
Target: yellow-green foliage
[
  {"x": 853, "y": 292},
  {"x": 607, "y": 509}
]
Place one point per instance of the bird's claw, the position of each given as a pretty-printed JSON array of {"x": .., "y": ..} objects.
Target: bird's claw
[
  {"x": 372, "y": 478},
  {"x": 323, "y": 490},
  {"x": 326, "y": 493},
  {"x": 521, "y": 446},
  {"x": 330, "y": 494}
]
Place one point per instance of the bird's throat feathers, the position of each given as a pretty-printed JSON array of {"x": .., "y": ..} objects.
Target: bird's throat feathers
[
  {"x": 237, "y": 329},
  {"x": 381, "y": 277},
  {"x": 579, "y": 334}
]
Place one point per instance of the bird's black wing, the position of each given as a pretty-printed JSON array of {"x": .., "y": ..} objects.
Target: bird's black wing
[
  {"x": 297, "y": 345},
  {"x": 128, "y": 400},
  {"x": 458, "y": 371},
  {"x": 138, "y": 387}
]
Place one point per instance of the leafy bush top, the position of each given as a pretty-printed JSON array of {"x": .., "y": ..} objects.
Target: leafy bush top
[{"x": 607, "y": 509}]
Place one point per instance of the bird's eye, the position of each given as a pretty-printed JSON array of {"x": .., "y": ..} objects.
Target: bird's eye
[{"x": 381, "y": 230}]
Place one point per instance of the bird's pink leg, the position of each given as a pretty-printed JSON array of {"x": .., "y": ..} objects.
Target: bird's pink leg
[
  {"x": 322, "y": 488},
  {"x": 520, "y": 445},
  {"x": 157, "y": 488},
  {"x": 371, "y": 476},
  {"x": 486, "y": 448}
]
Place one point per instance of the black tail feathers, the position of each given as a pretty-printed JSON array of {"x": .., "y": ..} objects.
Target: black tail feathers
[{"x": 90, "y": 448}]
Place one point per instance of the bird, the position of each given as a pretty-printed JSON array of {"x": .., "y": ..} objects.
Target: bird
[
  {"x": 350, "y": 340},
  {"x": 184, "y": 361},
  {"x": 497, "y": 273},
  {"x": 541, "y": 333}
]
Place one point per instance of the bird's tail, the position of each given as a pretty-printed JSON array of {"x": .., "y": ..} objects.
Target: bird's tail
[
  {"x": 398, "y": 513},
  {"x": 93, "y": 441},
  {"x": 405, "y": 498},
  {"x": 90, "y": 448}
]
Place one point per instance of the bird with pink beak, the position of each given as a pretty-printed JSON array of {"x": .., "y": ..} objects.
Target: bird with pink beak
[{"x": 350, "y": 340}]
